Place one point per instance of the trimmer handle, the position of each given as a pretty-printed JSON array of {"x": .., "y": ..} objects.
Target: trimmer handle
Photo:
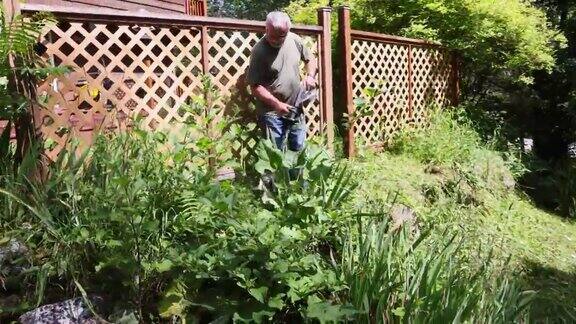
[{"x": 292, "y": 115}]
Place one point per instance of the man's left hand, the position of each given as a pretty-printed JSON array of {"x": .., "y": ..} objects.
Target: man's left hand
[{"x": 309, "y": 82}]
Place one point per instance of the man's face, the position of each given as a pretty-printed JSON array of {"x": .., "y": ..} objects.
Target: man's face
[{"x": 276, "y": 37}]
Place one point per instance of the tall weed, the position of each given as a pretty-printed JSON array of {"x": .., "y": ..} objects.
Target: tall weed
[{"x": 396, "y": 277}]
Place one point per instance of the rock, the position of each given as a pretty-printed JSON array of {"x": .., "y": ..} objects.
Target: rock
[
  {"x": 433, "y": 169},
  {"x": 509, "y": 182},
  {"x": 12, "y": 250},
  {"x": 402, "y": 215},
  {"x": 72, "y": 311}
]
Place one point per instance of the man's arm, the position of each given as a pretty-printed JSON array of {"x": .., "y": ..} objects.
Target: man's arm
[
  {"x": 312, "y": 67},
  {"x": 268, "y": 99},
  {"x": 311, "y": 70}
]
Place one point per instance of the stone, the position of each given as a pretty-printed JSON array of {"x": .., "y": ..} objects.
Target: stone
[
  {"x": 509, "y": 182},
  {"x": 433, "y": 169},
  {"x": 402, "y": 215},
  {"x": 72, "y": 311},
  {"x": 225, "y": 173},
  {"x": 12, "y": 250}
]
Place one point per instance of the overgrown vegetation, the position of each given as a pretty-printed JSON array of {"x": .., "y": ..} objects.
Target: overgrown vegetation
[
  {"x": 470, "y": 186},
  {"x": 432, "y": 230},
  {"x": 139, "y": 221},
  {"x": 170, "y": 242}
]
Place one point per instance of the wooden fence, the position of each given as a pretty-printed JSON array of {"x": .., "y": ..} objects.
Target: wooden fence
[
  {"x": 409, "y": 74},
  {"x": 167, "y": 6},
  {"x": 149, "y": 64}
]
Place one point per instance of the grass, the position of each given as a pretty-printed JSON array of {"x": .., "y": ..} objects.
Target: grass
[{"x": 468, "y": 187}]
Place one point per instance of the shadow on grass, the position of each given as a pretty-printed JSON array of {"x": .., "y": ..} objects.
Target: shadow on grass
[
  {"x": 539, "y": 185},
  {"x": 556, "y": 298}
]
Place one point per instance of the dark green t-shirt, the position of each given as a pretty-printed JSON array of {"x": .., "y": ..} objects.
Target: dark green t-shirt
[{"x": 278, "y": 69}]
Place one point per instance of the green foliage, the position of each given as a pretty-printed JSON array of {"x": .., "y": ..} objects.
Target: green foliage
[
  {"x": 136, "y": 219},
  {"x": 450, "y": 139},
  {"x": 364, "y": 105},
  {"x": 472, "y": 189},
  {"x": 493, "y": 37},
  {"x": 210, "y": 130},
  {"x": 19, "y": 65},
  {"x": 20, "y": 70},
  {"x": 564, "y": 188},
  {"x": 395, "y": 276},
  {"x": 444, "y": 141},
  {"x": 139, "y": 218},
  {"x": 242, "y": 9}
]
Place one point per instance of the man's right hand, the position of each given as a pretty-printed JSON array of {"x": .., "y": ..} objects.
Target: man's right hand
[{"x": 282, "y": 108}]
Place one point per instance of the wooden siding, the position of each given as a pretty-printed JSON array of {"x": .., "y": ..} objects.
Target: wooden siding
[{"x": 165, "y": 6}]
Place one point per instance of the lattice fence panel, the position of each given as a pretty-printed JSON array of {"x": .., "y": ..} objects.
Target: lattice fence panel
[
  {"x": 315, "y": 120},
  {"x": 431, "y": 79},
  {"x": 119, "y": 71},
  {"x": 383, "y": 66},
  {"x": 411, "y": 77},
  {"x": 140, "y": 71}
]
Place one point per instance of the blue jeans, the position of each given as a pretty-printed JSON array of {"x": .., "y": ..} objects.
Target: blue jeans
[{"x": 278, "y": 129}]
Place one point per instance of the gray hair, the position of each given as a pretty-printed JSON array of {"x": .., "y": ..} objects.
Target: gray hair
[{"x": 278, "y": 20}]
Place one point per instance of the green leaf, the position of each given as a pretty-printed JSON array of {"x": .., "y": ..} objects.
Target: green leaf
[
  {"x": 262, "y": 165},
  {"x": 84, "y": 233},
  {"x": 128, "y": 319},
  {"x": 325, "y": 312},
  {"x": 291, "y": 233},
  {"x": 173, "y": 305},
  {"x": 400, "y": 312},
  {"x": 277, "y": 301},
  {"x": 163, "y": 266},
  {"x": 259, "y": 293}
]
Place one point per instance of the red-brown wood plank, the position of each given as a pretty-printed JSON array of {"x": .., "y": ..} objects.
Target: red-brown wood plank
[
  {"x": 363, "y": 35},
  {"x": 345, "y": 48},
  {"x": 151, "y": 5},
  {"x": 325, "y": 64},
  {"x": 159, "y": 19},
  {"x": 125, "y": 5}
]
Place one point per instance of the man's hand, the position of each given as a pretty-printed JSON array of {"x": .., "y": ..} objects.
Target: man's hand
[
  {"x": 282, "y": 108},
  {"x": 309, "y": 82}
]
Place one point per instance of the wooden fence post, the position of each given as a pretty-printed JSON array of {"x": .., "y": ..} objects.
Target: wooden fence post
[
  {"x": 345, "y": 49},
  {"x": 326, "y": 75}
]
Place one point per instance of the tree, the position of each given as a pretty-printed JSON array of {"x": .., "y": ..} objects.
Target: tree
[
  {"x": 244, "y": 9},
  {"x": 500, "y": 41},
  {"x": 555, "y": 93}
]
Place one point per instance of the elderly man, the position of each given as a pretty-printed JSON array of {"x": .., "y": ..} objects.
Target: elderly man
[{"x": 274, "y": 79}]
